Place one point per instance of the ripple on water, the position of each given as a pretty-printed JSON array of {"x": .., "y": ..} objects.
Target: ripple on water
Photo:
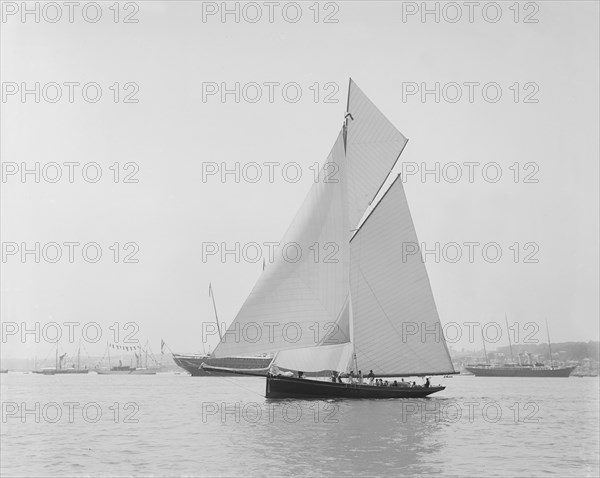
[{"x": 175, "y": 436}]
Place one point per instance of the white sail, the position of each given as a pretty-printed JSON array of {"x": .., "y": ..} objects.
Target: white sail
[
  {"x": 373, "y": 146},
  {"x": 295, "y": 302},
  {"x": 316, "y": 359},
  {"x": 396, "y": 325},
  {"x": 371, "y": 294}
]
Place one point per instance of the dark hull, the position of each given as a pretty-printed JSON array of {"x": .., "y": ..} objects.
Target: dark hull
[
  {"x": 192, "y": 363},
  {"x": 520, "y": 371},
  {"x": 289, "y": 387},
  {"x": 64, "y": 371}
]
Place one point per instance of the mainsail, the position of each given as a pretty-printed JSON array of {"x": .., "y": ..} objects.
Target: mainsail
[
  {"x": 370, "y": 297},
  {"x": 304, "y": 293}
]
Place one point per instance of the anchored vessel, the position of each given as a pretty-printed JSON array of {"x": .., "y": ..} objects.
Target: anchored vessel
[
  {"x": 520, "y": 371},
  {"x": 531, "y": 369},
  {"x": 193, "y": 364},
  {"x": 354, "y": 295},
  {"x": 60, "y": 369},
  {"x": 126, "y": 370},
  {"x": 140, "y": 367}
]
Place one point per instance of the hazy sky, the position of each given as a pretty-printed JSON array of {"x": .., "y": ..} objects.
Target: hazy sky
[{"x": 170, "y": 56}]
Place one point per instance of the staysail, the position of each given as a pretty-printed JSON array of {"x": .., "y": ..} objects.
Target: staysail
[
  {"x": 397, "y": 330},
  {"x": 304, "y": 293}
]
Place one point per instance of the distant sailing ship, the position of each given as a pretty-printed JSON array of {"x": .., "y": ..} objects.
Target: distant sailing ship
[
  {"x": 60, "y": 369},
  {"x": 530, "y": 369},
  {"x": 352, "y": 306},
  {"x": 138, "y": 369}
]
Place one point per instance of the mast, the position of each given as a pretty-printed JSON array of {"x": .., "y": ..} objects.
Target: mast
[
  {"x": 108, "y": 352},
  {"x": 56, "y": 358},
  {"x": 549, "y": 346},
  {"x": 509, "y": 344},
  {"x": 385, "y": 289},
  {"x": 484, "y": 351},
  {"x": 347, "y": 118},
  {"x": 78, "y": 356},
  {"x": 146, "y": 354},
  {"x": 212, "y": 295},
  {"x": 351, "y": 330}
]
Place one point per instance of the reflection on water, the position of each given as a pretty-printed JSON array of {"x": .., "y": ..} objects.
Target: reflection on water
[{"x": 176, "y": 425}]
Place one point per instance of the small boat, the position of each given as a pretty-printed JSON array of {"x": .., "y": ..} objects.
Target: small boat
[
  {"x": 126, "y": 370},
  {"x": 63, "y": 371},
  {"x": 585, "y": 374},
  {"x": 3, "y": 370},
  {"x": 354, "y": 295}
]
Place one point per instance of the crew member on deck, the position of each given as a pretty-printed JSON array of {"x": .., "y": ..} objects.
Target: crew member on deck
[
  {"x": 371, "y": 377},
  {"x": 427, "y": 384}
]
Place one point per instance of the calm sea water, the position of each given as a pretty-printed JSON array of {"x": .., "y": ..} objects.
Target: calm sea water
[{"x": 175, "y": 425}]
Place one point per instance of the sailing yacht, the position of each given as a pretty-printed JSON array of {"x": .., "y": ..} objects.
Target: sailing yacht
[
  {"x": 193, "y": 363},
  {"x": 366, "y": 305}
]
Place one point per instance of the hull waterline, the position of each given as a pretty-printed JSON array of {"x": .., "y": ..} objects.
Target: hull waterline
[
  {"x": 127, "y": 372},
  {"x": 520, "y": 371},
  {"x": 193, "y": 364},
  {"x": 290, "y": 387},
  {"x": 67, "y": 371}
]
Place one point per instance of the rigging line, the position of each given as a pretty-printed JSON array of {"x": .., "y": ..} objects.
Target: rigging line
[
  {"x": 337, "y": 327},
  {"x": 356, "y": 347},
  {"x": 371, "y": 289},
  {"x": 152, "y": 355},
  {"x": 390, "y": 321},
  {"x": 86, "y": 351},
  {"x": 46, "y": 357},
  {"x": 241, "y": 386},
  {"x": 368, "y": 356}
]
